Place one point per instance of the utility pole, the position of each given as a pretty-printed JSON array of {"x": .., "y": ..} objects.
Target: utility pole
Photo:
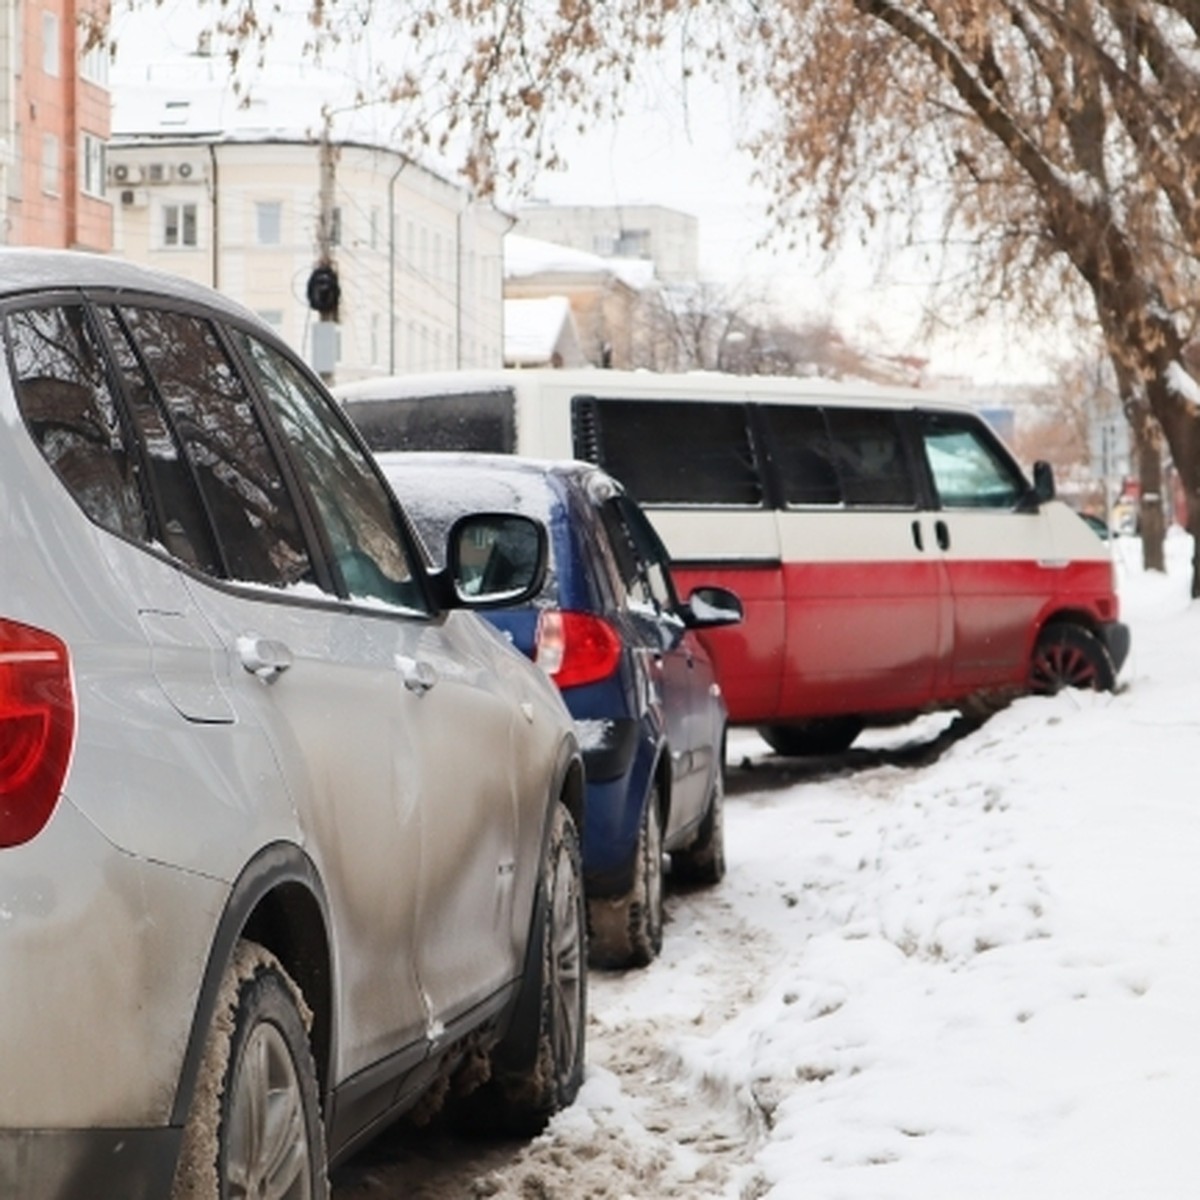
[{"x": 324, "y": 289}]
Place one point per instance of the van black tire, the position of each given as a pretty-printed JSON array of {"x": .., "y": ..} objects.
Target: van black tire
[
  {"x": 628, "y": 931},
  {"x": 1070, "y": 656},
  {"x": 822, "y": 735},
  {"x": 255, "y": 1122}
]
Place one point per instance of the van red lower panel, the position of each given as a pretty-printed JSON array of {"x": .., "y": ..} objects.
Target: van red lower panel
[{"x": 745, "y": 656}]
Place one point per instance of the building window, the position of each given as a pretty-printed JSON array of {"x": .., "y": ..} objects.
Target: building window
[
  {"x": 179, "y": 225},
  {"x": 269, "y": 222},
  {"x": 91, "y": 154},
  {"x": 51, "y": 165},
  {"x": 50, "y": 40},
  {"x": 93, "y": 65}
]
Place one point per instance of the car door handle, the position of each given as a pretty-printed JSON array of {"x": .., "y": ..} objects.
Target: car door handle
[
  {"x": 918, "y": 540},
  {"x": 418, "y": 675},
  {"x": 263, "y": 657},
  {"x": 943, "y": 534}
]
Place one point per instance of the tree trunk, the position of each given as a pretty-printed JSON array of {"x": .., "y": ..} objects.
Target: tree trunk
[
  {"x": 1147, "y": 441},
  {"x": 1180, "y": 424},
  {"x": 1150, "y": 505}
]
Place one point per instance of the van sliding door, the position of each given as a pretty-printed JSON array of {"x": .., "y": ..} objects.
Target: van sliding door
[
  {"x": 866, "y": 610},
  {"x": 694, "y": 468}
]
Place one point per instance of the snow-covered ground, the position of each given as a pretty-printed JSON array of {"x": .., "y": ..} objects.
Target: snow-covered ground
[{"x": 969, "y": 971}]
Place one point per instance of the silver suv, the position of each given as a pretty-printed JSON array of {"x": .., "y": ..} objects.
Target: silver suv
[{"x": 287, "y": 839}]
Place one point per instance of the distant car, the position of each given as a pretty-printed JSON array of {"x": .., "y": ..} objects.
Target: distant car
[
  {"x": 609, "y": 629},
  {"x": 287, "y": 839},
  {"x": 1098, "y": 525}
]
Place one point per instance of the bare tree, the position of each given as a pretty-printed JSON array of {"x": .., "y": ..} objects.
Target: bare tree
[{"x": 1058, "y": 144}]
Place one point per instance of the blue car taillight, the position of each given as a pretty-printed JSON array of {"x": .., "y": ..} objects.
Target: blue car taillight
[{"x": 575, "y": 648}]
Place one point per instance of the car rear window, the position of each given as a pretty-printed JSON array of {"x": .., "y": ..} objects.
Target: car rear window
[{"x": 66, "y": 400}]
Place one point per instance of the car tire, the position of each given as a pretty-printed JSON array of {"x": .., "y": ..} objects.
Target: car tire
[
  {"x": 703, "y": 862},
  {"x": 824, "y": 735},
  {"x": 628, "y": 931},
  {"x": 255, "y": 1124},
  {"x": 538, "y": 1067},
  {"x": 1070, "y": 656}
]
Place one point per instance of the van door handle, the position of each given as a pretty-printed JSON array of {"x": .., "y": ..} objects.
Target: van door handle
[
  {"x": 263, "y": 657},
  {"x": 943, "y": 534},
  {"x": 417, "y": 674},
  {"x": 918, "y": 540}
]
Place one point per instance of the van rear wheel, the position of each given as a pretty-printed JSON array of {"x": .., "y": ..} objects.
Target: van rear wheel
[
  {"x": 825, "y": 735},
  {"x": 1069, "y": 656}
]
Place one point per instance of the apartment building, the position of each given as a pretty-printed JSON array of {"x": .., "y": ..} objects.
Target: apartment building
[
  {"x": 55, "y": 113},
  {"x": 250, "y": 195}
]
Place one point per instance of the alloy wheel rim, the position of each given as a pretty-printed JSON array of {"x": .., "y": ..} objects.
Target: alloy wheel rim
[
  {"x": 267, "y": 1156},
  {"x": 566, "y": 949}
]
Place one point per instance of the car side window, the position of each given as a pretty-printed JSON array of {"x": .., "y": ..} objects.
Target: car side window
[
  {"x": 671, "y": 452},
  {"x": 65, "y": 397},
  {"x": 868, "y": 451},
  {"x": 640, "y": 559},
  {"x": 968, "y": 470},
  {"x": 180, "y": 520},
  {"x": 357, "y": 511},
  {"x": 258, "y": 529}
]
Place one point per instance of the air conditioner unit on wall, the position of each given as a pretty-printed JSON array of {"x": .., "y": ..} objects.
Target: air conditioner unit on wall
[
  {"x": 125, "y": 173},
  {"x": 134, "y": 198},
  {"x": 185, "y": 170},
  {"x": 159, "y": 173}
]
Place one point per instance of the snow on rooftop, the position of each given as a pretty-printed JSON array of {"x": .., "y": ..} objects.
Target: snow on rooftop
[
  {"x": 532, "y": 328},
  {"x": 526, "y": 256}
]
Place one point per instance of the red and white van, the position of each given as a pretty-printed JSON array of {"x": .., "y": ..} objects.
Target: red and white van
[{"x": 889, "y": 553}]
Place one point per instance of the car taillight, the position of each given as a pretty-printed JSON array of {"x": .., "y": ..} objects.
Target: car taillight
[
  {"x": 37, "y": 728},
  {"x": 576, "y": 648}
]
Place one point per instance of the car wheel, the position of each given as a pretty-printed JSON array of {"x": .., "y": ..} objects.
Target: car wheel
[
  {"x": 255, "y": 1125},
  {"x": 538, "y": 1067},
  {"x": 825, "y": 735},
  {"x": 703, "y": 862},
  {"x": 1069, "y": 656},
  {"x": 628, "y": 931}
]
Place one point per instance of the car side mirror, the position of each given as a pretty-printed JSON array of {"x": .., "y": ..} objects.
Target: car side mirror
[
  {"x": 1043, "y": 481},
  {"x": 495, "y": 559},
  {"x": 708, "y": 607}
]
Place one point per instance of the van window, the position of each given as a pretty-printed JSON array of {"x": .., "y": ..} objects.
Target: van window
[
  {"x": 868, "y": 451},
  {"x": 63, "y": 391},
  {"x": 482, "y": 421},
  {"x": 803, "y": 454},
  {"x": 671, "y": 452},
  {"x": 968, "y": 469}
]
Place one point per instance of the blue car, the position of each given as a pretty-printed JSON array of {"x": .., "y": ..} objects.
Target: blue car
[{"x": 609, "y": 629}]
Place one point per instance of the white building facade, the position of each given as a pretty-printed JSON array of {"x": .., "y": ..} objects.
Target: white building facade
[
  {"x": 418, "y": 261},
  {"x": 668, "y": 238}
]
